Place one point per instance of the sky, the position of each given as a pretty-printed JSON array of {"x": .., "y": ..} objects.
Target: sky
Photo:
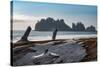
[{"x": 28, "y": 13}]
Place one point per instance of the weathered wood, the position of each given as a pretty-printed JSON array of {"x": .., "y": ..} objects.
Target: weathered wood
[
  {"x": 46, "y": 51},
  {"x": 26, "y": 34},
  {"x": 54, "y": 34}
]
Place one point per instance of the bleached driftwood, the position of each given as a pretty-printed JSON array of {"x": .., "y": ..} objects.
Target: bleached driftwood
[{"x": 47, "y": 54}]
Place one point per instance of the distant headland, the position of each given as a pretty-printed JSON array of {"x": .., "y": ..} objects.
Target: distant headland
[{"x": 50, "y": 24}]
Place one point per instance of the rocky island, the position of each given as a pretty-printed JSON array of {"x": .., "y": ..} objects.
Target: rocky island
[{"x": 49, "y": 24}]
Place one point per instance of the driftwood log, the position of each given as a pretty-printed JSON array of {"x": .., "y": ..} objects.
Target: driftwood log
[
  {"x": 26, "y": 34},
  {"x": 54, "y": 34}
]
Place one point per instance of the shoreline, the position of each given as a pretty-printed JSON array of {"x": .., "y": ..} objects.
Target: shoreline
[
  {"x": 45, "y": 38},
  {"x": 46, "y": 41}
]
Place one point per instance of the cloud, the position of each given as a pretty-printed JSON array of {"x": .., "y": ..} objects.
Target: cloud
[
  {"x": 26, "y": 18},
  {"x": 21, "y": 22}
]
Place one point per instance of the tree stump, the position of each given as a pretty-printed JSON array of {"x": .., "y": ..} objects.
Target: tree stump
[
  {"x": 54, "y": 34},
  {"x": 26, "y": 34}
]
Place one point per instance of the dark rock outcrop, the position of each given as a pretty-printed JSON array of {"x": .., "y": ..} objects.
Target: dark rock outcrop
[
  {"x": 78, "y": 27},
  {"x": 50, "y": 24},
  {"x": 90, "y": 28}
]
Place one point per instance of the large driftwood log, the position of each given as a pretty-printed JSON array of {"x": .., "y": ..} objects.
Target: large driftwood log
[
  {"x": 26, "y": 34},
  {"x": 47, "y": 54},
  {"x": 54, "y": 34}
]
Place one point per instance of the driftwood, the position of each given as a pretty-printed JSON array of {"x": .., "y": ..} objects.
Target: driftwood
[
  {"x": 26, "y": 34},
  {"x": 48, "y": 54},
  {"x": 54, "y": 34}
]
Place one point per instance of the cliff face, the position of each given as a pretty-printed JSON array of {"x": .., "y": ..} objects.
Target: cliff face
[{"x": 50, "y": 24}]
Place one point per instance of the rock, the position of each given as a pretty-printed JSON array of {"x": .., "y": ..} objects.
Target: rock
[
  {"x": 91, "y": 29},
  {"x": 78, "y": 27},
  {"x": 50, "y": 24}
]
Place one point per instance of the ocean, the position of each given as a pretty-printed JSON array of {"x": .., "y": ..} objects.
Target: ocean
[{"x": 47, "y": 35}]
